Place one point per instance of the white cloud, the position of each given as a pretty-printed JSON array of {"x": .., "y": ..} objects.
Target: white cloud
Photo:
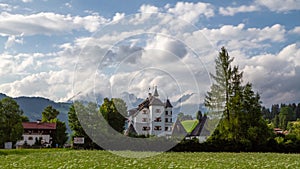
[
  {"x": 46, "y": 23},
  {"x": 280, "y": 5},
  {"x": 118, "y": 16},
  {"x": 11, "y": 40},
  {"x": 274, "y": 76},
  {"x": 27, "y": 1},
  {"x": 7, "y": 7},
  {"x": 239, "y": 37},
  {"x": 54, "y": 85},
  {"x": 191, "y": 12},
  {"x": 148, "y": 9},
  {"x": 230, "y": 11},
  {"x": 296, "y": 30},
  {"x": 69, "y": 5}
]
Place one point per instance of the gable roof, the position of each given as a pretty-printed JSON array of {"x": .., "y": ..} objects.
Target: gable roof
[
  {"x": 130, "y": 131},
  {"x": 156, "y": 101},
  {"x": 39, "y": 125},
  {"x": 178, "y": 129},
  {"x": 200, "y": 126},
  {"x": 144, "y": 104}
]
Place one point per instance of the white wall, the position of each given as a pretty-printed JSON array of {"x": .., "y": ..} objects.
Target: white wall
[{"x": 45, "y": 138}]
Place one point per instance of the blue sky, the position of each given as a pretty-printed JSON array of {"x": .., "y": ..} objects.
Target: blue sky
[{"x": 58, "y": 48}]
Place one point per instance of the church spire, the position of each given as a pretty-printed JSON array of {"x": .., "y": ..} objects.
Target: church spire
[{"x": 155, "y": 92}]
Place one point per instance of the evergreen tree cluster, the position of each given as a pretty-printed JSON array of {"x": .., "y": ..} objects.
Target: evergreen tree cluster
[
  {"x": 237, "y": 104},
  {"x": 279, "y": 115}
]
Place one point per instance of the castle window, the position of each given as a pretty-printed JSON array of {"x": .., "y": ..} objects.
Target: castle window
[
  {"x": 158, "y": 119},
  {"x": 157, "y": 110},
  {"x": 145, "y": 128},
  {"x": 166, "y": 128},
  {"x": 166, "y": 112},
  {"x": 166, "y": 120},
  {"x": 144, "y": 119},
  {"x": 144, "y": 111},
  {"x": 157, "y": 127},
  {"x": 171, "y": 113},
  {"x": 30, "y": 138}
]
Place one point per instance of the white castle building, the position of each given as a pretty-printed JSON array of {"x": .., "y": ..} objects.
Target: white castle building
[{"x": 151, "y": 117}]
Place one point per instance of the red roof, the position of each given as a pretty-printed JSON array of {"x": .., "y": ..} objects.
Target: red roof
[{"x": 39, "y": 125}]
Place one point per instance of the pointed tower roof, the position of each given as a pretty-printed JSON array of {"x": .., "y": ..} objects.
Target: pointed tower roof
[
  {"x": 168, "y": 104},
  {"x": 155, "y": 92},
  {"x": 130, "y": 131},
  {"x": 178, "y": 129}
]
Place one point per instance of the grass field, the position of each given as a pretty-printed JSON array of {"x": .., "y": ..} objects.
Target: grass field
[{"x": 60, "y": 158}]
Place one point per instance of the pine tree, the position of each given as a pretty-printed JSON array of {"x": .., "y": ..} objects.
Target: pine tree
[
  {"x": 217, "y": 98},
  {"x": 241, "y": 114}
]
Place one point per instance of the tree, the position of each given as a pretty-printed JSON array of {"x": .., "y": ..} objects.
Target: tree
[
  {"x": 217, "y": 98},
  {"x": 199, "y": 115},
  {"x": 11, "y": 128},
  {"x": 50, "y": 115},
  {"x": 78, "y": 109},
  {"x": 285, "y": 115},
  {"x": 298, "y": 111},
  {"x": 182, "y": 117},
  {"x": 274, "y": 110},
  {"x": 240, "y": 107},
  {"x": 294, "y": 128},
  {"x": 114, "y": 112}
]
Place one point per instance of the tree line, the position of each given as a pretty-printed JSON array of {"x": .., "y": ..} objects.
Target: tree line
[{"x": 280, "y": 115}]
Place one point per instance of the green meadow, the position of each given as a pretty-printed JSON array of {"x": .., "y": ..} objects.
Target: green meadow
[{"x": 61, "y": 158}]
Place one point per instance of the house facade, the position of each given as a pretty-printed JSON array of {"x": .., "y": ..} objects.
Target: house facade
[
  {"x": 151, "y": 117},
  {"x": 41, "y": 131}
]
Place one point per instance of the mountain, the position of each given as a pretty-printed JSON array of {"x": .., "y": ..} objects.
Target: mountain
[{"x": 34, "y": 106}]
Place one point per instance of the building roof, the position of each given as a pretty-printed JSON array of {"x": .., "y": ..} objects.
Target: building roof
[
  {"x": 144, "y": 104},
  {"x": 130, "y": 131},
  {"x": 197, "y": 130},
  {"x": 168, "y": 104},
  {"x": 156, "y": 101},
  {"x": 39, "y": 125},
  {"x": 178, "y": 129},
  {"x": 132, "y": 111},
  {"x": 155, "y": 92}
]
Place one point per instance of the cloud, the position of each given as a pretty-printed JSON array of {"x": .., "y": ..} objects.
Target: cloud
[
  {"x": 69, "y": 5},
  {"x": 190, "y": 12},
  {"x": 280, "y": 5},
  {"x": 54, "y": 85},
  {"x": 118, "y": 16},
  {"x": 239, "y": 37},
  {"x": 148, "y": 9},
  {"x": 296, "y": 30},
  {"x": 276, "y": 84},
  {"x": 7, "y": 7},
  {"x": 230, "y": 11},
  {"x": 46, "y": 23},
  {"x": 11, "y": 40},
  {"x": 27, "y": 1}
]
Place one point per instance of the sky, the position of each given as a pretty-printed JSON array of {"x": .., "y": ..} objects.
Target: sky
[{"x": 64, "y": 49}]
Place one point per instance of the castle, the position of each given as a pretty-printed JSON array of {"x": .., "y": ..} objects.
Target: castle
[{"x": 151, "y": 117}]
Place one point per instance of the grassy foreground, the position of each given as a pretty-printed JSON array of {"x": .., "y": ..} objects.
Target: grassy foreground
[{"x": 60, "y": 158}]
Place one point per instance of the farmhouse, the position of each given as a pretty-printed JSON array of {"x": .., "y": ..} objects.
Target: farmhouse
[
  {"x": 38, "y": 130},
  {"x": 151, "y": 117}
]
